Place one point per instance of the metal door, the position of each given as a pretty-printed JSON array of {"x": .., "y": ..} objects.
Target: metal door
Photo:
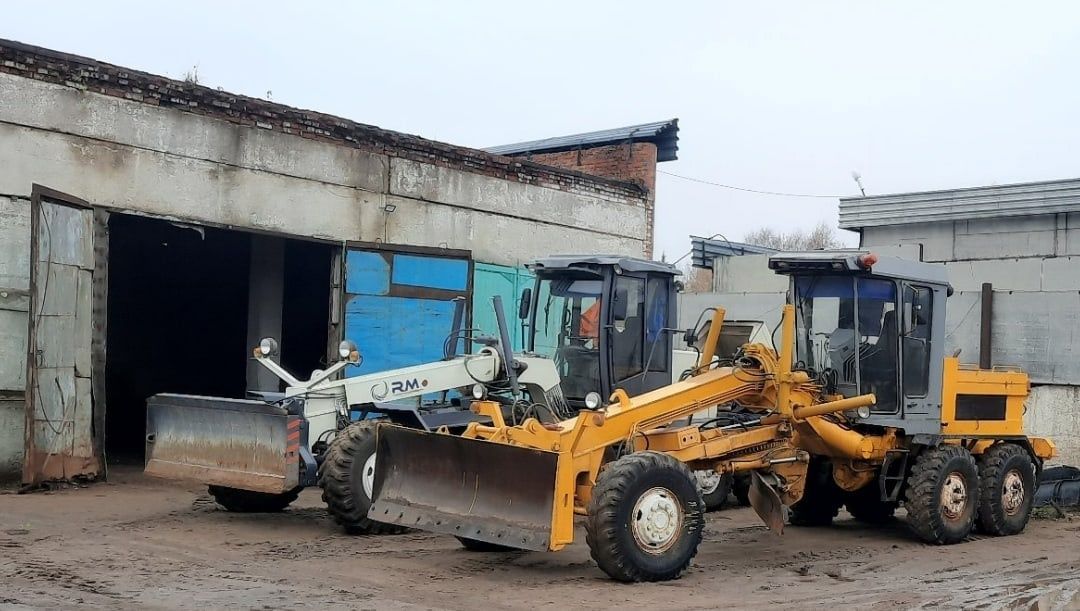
[
  {"x": 399, "y": 307},
  {"x": 59, "y": 404}
]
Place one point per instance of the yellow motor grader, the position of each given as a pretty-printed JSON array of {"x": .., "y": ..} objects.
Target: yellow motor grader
[{"x": 859, "y": 406}]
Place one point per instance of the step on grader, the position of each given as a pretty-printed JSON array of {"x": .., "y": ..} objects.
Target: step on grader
[{"x": 859, "y": 406}]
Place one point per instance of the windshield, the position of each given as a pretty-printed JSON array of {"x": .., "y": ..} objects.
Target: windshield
[
  {"x": 847, "y": 334},
  {"x": 565, "y": 328}
]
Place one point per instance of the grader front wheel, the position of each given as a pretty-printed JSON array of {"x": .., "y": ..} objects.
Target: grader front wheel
[
  {"x": 942, "y": 495},
  {"x": 347, "y": 475},
  {"x": 645, "y": 518}
]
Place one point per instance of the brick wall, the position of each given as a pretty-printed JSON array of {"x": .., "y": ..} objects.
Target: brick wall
[{"x": 631, "y": 162}]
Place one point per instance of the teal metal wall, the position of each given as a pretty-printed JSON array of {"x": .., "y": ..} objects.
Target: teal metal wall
[{"x": 508, "y": 282}]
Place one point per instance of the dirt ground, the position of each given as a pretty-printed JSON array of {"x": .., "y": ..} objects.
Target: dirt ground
[{"x": 141, "y": 543}]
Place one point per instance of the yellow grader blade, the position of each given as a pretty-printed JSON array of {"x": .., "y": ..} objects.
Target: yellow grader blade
[{"x": 470, "y": 488}]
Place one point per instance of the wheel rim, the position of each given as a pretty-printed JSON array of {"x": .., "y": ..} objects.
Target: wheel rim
[
  {"x": 1012, "y": 492},
  {"x": 656, "y": 521},
  {"x": 954, "y": 496},
  {"x": 707, "y": 481},
  {"x": 368, "y": 476}
]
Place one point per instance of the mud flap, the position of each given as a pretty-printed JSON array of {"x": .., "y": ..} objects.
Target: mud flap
[
  {"x": 470, "y": 488},
  {"x": 766, "y": 503},
  {"x": 249, "y": 445}
]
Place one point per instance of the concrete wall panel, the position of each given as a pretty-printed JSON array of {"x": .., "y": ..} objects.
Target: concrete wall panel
[
  {"x": 449, "y": 186},
  {"x": 1054, "y": 412},
  {"x": 63, "y": 109}
]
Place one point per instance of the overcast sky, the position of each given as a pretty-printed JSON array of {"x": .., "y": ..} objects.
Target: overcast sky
[{"x": 791, "y": 98}]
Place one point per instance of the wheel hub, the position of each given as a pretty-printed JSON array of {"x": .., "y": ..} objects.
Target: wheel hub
[
  {"x": 707, "y": 480},
  {"x": 656, "y": 520},
  {"x": 368, "y": 475},
  {"x": 1012, "y": 492},
  {"x": 954, "y": 496}
]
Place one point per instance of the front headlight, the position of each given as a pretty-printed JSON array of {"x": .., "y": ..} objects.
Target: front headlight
[
  {"x": 863, "y": 412},
  {"x": 479, "y": 391},
  {"x": 592, "y": 400},
  {"x": 268, "y": 346},
  {"x": 346, "y": 350}
]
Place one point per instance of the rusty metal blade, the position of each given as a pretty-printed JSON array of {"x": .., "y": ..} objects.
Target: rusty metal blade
[
  {"x": 766, "y": 503},
  {"x": 225, "y": 442},
  {"x": 470, "y": 488}
]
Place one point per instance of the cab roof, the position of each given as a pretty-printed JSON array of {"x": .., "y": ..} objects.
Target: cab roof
[
  {"x": 846, "y": 261},
  {"x": 630, "y": 264}
]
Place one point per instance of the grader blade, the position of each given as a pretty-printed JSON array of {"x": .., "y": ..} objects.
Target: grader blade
[
  {"x": 469, "y": 488},
  {"x": 766, "y": 503}
]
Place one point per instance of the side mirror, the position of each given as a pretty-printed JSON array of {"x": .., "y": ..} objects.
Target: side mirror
[
  {"x": 618, "y": 308},
  {"x": 525, "y": 304}
]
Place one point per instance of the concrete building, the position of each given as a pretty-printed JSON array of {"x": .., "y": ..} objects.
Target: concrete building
[
  {"x": 152, "y": 230},
  {"x": 1023, "y": 239}
]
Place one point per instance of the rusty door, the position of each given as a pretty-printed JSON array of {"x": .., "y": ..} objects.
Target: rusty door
[{"x": 59, "y": 405}]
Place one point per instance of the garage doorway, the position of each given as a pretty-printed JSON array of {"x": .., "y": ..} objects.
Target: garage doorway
[{"x": 186, "y": 303}]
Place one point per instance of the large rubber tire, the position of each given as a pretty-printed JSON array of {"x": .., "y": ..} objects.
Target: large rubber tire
[
  {"x": 865, "y": 505},
  {"x": 740, "y": 487},
  {"x": 1006, "y": 491},
  {"x": 341, "y": 476},
  {"x": 634, "y": 495},
  {"x": 821, "y": 498},
  {"x": 942, "y": 495},
  {"x": 716, "y": 494},
  {"x": 248, "y": 501},
  {"x": 483, "y": 546}
]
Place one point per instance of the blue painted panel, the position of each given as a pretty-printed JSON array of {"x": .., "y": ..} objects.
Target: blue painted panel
[
  {"x": 394, "y": 332},
  {"x": 366, "y": 273},
  {"x": 431, "y": 272},
  {"x": 509, "y": 282}
]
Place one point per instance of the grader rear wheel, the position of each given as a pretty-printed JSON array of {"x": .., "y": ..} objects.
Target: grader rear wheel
[
  {"x": 645, "y": 519},
  {"x": 347, "y": 476},
  {"x": 714, "y": 487},
  {"x": 942, "y": 495},
  {"x": 1007, "y": 476},
  {"x": 821, "y": 499},
  {"x": 865, "y": 505},
  {"x": 247, "y": 501}
]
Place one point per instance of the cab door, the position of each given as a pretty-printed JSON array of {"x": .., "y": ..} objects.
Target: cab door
[{"x": 639, "y": 344}]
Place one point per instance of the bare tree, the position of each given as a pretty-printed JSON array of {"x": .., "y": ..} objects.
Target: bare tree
[
  {"x": 819, "y": 236},
  {"x": 697, "y": 279}
]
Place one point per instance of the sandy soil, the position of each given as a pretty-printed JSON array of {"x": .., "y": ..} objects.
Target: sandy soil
[{"x": 140, "y": 543}]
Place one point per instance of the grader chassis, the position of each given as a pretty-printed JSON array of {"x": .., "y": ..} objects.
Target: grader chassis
[{"x": 858, "y": 405}]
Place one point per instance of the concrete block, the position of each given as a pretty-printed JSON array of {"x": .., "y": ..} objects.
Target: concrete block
[
  {"x": 59, "y": 287},
  {"x": 1069, "y": 241},
  {"x": 1061, "y": 274},
  {"x": 55, "y": 341},
  {"x": 1005, "y": 245},
  {"x": 747, "y": 274},
  {"x": 82, "y": 417},
  {"x": 432, "y": 183},
  {"x": 12, "y": 350},
  {"x": 54, "y": 108},
  {"x": 66, "y": 236},
  {"x": 1054, "y": 412},
  {"x": 83, "y": 325},
  {"x": 1012, "y": 224},
  {"x": 1004, "y": 274},
  {"x": 935, "y": 240},
  {"x": 12, "y": 429},
  {"x": 14, "y": 243}
]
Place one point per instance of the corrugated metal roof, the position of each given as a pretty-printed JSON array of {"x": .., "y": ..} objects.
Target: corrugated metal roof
[
  {"x": 704, "y": 250},
  {"x": 664, "y": 134},
  {"x": 1022, "y": 199}
]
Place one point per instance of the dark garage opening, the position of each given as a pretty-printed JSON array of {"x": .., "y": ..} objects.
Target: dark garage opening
[{"x": 178, "y": 317}]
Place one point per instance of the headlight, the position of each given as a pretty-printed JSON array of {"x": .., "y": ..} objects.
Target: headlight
[
  {"x": 863, "y": 412},
  {"x": 267, "y": 346},
  {"x": 592, "y": 400},
  {"x": 346, "y": 349},
  {"x": 479, "y": 391}
]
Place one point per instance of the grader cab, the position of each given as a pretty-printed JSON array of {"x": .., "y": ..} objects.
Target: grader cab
[{"x": 858, "y": 406}]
